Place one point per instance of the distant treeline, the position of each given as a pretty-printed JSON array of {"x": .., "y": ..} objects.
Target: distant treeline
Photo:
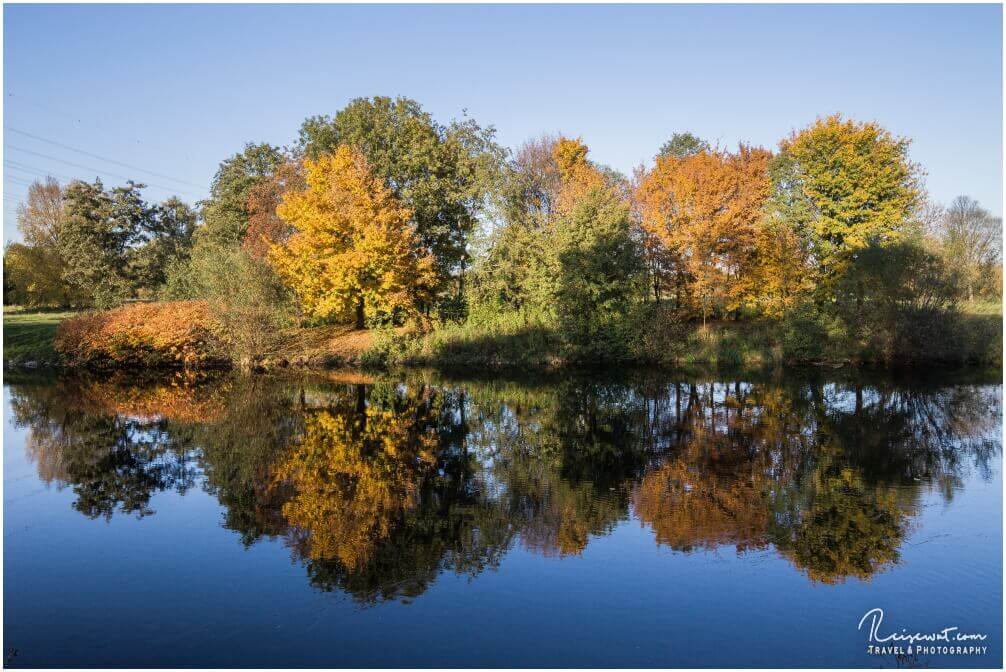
[{"x": 381, "y": 216}]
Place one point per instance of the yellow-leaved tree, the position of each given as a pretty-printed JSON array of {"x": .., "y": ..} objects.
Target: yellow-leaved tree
[{"x": 354, "y": 254}]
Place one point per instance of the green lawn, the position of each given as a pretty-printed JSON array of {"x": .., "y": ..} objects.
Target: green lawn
[{"x": 27, "y": 336}]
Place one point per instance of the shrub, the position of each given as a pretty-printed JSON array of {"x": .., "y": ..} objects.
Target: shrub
[
  {"x": 244, "y": 296},
  {"x": 810, "y": 334},
  {"x": 179, "y": 334},
  {"x": 900, "y": 302}
]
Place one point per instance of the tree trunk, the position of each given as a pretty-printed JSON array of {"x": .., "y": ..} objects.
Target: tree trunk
[{"x": 359, "y": 312}]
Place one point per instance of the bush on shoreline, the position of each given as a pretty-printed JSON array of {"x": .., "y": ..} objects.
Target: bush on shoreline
[{"x": 176, "y": 334}]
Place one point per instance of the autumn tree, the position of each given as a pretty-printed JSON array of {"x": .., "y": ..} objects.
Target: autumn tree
[
  {"x": 354, "y": 253},
  {"x": 577, "y": 175},
  {"x": 265, "y": 227},
  {"x": 442, "y": 173},
  {"x": 705, "y": 211},
  {"x": 33, "y": 276},
  {"x": 33, "y": 269},
  {"x": 846, "y": 184},
  {"x": 40, "y": 219}
]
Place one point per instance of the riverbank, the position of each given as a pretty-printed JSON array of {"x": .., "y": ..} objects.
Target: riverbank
[
  {"x": 29, "y": 342},
  {"x": 28, "y": 337}
]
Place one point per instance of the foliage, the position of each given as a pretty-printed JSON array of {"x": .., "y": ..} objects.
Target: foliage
[
  {"x": 40, "y": 219},
  {"x": 538, "y": 257},
  {"x": 354, "y": 252},
  {"x": 176, "y": 335},
  {"x": 516, "y": 271},
  {"x": 847, "y": 185},
  {"x": 225, "y": 213},
  {"x": 810, "y": 333},
  {"x": 167, "y": 242},
  {"x": 704, "y": 214},
  {"x": 683, "y": 145},
  {"x": 97, "y": 237},
  {"x": 972, "y": 242},
  {"x": 599, "y": 266},
  {"x": 244, "y": 295},
  {"x": 899, "y": 301},
  {"x": 33, "y": 276},
  {"x": 441, "y": 173},
  {"x": 33, "y": 270},
  {"x": 265, "y": 227}
]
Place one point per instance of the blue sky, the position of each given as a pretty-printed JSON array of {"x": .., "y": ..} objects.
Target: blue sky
[{"x": 175, "y": 89}]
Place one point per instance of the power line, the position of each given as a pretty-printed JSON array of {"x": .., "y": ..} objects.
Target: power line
[
  {"x": 101, "y": 158},
  {"x": 98, "y": 170},
  {"x": 24, "y": 167},
  {"x": 18, "y": 180},
  {"x": 28, "y": 181}
]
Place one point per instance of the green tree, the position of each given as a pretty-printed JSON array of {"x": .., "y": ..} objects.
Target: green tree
[
  {"x": 97, "y": 235},
  {"x": 516, "y": 269},
  {"x": 225, "y": 212},
  {"x": 600, "y": 272},
  {"x": 167, "y": 241},
  {"x": 682, "y": 145}
]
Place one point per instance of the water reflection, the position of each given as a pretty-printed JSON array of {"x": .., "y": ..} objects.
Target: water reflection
[{"x": 378, "y": 486}]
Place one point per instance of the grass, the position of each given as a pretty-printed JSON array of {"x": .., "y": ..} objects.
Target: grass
[
  {"x": 27, "y": 336},
  {"x": 507, "y": 342},
  {"x": 510, "y": 342}
]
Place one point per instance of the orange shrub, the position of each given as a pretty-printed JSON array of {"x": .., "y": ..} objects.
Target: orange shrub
[{"x": 180, "y": 334}]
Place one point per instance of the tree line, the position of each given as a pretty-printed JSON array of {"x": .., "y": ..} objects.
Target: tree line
[{"x": 380, "y": 215}]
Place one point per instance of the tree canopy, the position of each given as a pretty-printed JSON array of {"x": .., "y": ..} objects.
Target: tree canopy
[{"x": 354, "y": 252}]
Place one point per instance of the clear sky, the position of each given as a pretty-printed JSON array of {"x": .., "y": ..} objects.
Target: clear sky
[{"x": 175, "y": 89}]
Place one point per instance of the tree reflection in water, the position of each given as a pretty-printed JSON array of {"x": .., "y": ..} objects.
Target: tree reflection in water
[{"x": 378, "y": 486}]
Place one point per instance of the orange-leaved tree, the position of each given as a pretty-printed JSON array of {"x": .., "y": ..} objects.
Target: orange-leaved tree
[
  {"x": 704, "y": 213},
  {"x": 354, "y": 253},
  {"x": 578, "y": 176},
  {"x": 265, "y": 227}
]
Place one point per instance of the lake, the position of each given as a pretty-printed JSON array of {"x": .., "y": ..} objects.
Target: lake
[{"x": 586, "y": 520}]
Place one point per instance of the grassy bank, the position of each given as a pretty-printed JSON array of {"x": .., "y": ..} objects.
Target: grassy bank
[
  {"x": 28, "y": 336},
  {"x": 508, "y": 343},
  {"x": 973, "y": 337}
]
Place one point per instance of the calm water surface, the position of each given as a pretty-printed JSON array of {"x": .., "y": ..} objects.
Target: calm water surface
[{"x": 421, "y": 521}]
